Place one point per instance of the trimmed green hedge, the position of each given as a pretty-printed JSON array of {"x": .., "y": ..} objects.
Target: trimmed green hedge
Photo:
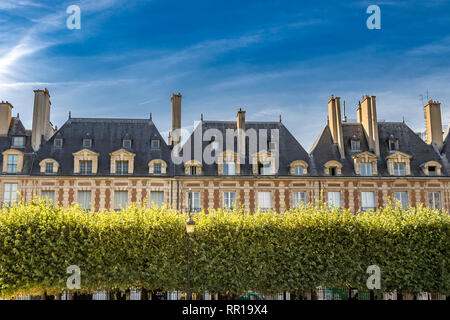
[{"x": 232, "y": 252}]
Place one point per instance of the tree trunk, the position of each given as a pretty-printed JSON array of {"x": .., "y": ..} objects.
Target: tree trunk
[{"x": 144, "y": 294}]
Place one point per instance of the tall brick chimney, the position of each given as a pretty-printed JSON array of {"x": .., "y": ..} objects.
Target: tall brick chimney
[
  {"x": 367, "y": 114},
  {"x": 433, "y": 122},
  {"x": 335, "y": 123},
  {"x": 42, "y": 128},
  {"x": 5, "y": 117},
  {"x": 174, "y": 137}
]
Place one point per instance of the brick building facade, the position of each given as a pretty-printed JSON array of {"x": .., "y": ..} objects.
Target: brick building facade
[{"x": 109, "y": 163}]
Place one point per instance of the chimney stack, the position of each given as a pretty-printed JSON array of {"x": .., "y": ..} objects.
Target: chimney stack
[
  {"x": 5, "y": 117},
  {"x": 42, "y": 128},
  {"x": 240, "y": 124},
  {"x": 335, "y": 123},
  {"x": 434, "y": 124},
  {"x": 367, "y": 116},
  {"x": 175, "y": 136}
]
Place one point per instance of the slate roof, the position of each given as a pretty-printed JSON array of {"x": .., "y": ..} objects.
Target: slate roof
[
  {"x": 408, "y": 142},
  {"x": 16, "y": 128},
  {"x": 289, "y": 148},
  {"x": 107, "y": 136}
]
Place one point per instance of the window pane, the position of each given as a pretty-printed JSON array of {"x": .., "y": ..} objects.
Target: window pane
[
  {"x": 229, "y": 198},
  {"x": 157, "y": 168},
  {"x": 157, "y": 197},
  {"x": 120, "y": 199},
  {"x": 87, "y": 143},
  {"x": 366, "y": 169},
  {"x": 155, "y": 144},
  {"x": 367, "y": 200},
  {"x": 48, "y": 194},
  {"x": 12, "y": 163},
  {"x": 399, "y": 169},
  {"x": 264, "y": 200},
  {"x": 434, "y": 199},
  {"x": 85, "y": 166},
  {"x": 195, "y": 201},
  {"x": 84, "y": 199},
  {"x": 18, "y": 141},
  {"x": 121, "y": 167},
  {"x": 403, "y": 198},
  {"x": 10, "y": 193},
  {"x": 334, "y": 199},
  {"x": 266, "y": 168},
  {"x": 229, "y": 168},
  {"x": 299, "y": 198},
  {"x": 298, "y": 171},
  {"x": 49, "y": 167}
]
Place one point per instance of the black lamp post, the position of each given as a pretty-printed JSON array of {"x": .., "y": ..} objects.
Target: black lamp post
[{"x": 190, "y": 226}]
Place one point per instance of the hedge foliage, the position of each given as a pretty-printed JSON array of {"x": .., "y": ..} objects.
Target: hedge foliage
[{"x": 232, "y": 251}]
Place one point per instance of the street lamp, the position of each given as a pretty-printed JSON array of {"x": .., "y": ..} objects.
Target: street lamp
[{"x": 190, "y": 226}]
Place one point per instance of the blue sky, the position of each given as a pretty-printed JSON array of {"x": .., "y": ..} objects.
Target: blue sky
[{"x": 268, "y": 57}]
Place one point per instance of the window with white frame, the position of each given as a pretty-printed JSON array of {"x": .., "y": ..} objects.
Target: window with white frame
[
  {"x": 265, "y": 200},
  {"x": 48, "y": 195},
  {"x": 157, "y": 168},
  {"x": 355, "y": 145},
  {"x": 85, "y": 166},
  {"x": 121, "y": 167},
  {"x": 367, "y": 201},
  {"x": 299, "y": 199},
  {"x": 229, "y": 199},
  {"x": 12, "y": 163},
  {"x": 298, "y": 171},
  {"x": 229, "y": 169},
  {"x": 157, "y": 197},
  {"x": 399, "y": 169},
  {"x": 334, "y": 199},
  {"x": 402, "y": 196},
  {"x": 366, "y": 169},
  {"x": 10, "y": 193},
  {"x": 84, "y": 199},
  {"x": 18, "y": 142},
  {"x": 120, "y": 199},
  {"x": 434, "y": 200},
  {"x": 49, "y": 167},
  {"x": 194, "y": 198}
]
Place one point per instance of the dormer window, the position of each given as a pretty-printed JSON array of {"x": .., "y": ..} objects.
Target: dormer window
[
  {"x": 18, "y": 142},
  {"x": 155, "y": 144},
  {"x": 87, "y": 143},
  {"x": 229, "y": 168},
  {"x": 355, "y": 144},
  {"x": 12, "y": 163},
  {"x": 157, "y": 168},
  {"x": 399, "y": 169},
  {"x": 58, "y": 143},
  {"x": 126, "y": 143},
  {"x": 333, "y": 171},
  {"x": 264, "y": 168},
  {"x": 298, "y": 168},
  {"x": 193, "y": 171},
  {"x": 49, "y": 167},
  {"x": 122, "y": 167},
  {"x": 192, "y": 168},
  {"x": 85, "y": 166},
  {"x": 366, "y": 169},
  {"x": 298, "y": 171},
  {"x": 432, "y": 171},
  {"x": 393, "y": 143}
]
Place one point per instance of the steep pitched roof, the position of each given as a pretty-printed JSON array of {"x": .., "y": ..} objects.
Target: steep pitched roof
[
  {"x": 107, "y": 136},
  {"x": 289, "y": 148},
  {"x": 408, "y": 142}
]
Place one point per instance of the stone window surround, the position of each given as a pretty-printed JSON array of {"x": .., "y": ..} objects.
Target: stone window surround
[
  {"x": 228, "y": 156},
  {"x": 431, "y": 163},
  {"x": 43, "y": 163},
  {"x": 192, "y": 163},
  {"x": 121, "y": 155},
  {"x": 85, "y": 155},
  {"x": 19, "y": 154},
  {"x": 398, "y": 157},
  {"x": 263, "y": 156},
  {"x": 222, "y": 197},
  {"x": 155, "y": 161},
  {"x": 332, "y": 163},
  {"x": 365, "y": 157},
  {"x": 185, "y": 200},
  {"x": 299, "y": 163}
]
